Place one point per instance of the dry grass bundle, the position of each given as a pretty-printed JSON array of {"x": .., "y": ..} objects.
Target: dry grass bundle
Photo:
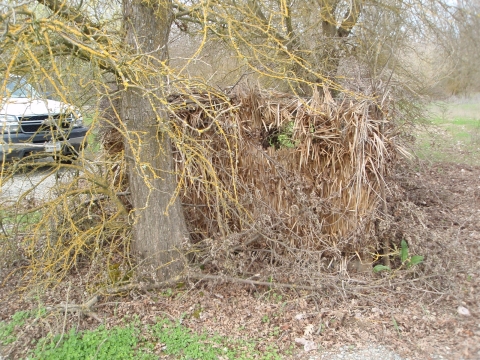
[
  {"x": 269, "y": 170},
  {"x": 310, "y": 169}
]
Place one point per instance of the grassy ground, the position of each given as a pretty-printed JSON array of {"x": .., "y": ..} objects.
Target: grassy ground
[
  {"x": 452, "y": 132},
  {"x": 132, "y": 340}
]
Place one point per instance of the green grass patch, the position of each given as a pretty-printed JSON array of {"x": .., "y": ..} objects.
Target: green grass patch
[
  {"x": 133, "y": 340},
  {"x": 137, "y": 341},
  {"x": 88, "y": 120},
  {"x": 94, "y": 145},
  {"x": 116, "y": 343},
  {"x": 93, "y": 140},
  {"x": 452, "y": 133},
  {"x": 9, "y": 329},
  {"x": 12, "y": 219}
]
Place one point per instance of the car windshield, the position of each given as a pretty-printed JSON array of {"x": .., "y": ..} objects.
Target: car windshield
[{"x": 19, "y": 88}]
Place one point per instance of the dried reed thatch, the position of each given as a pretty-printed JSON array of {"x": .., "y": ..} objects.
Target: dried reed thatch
[{"x": 302, "y": 173}]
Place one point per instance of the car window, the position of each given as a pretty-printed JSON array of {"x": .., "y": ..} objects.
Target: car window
[{"x": 19, "y": 89}]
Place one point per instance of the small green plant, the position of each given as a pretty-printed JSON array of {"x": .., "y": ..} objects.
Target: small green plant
[
  {"x": 265, "y": 319},
  {"x": 407, "y": 260},
  {"x": 197, "y": 312},
  {"x": 395, "y": 325},
  {"x": 379, "y": 268},
  {"x": 273, "y": 296},
  {"x": 284, "y": 138},
  {"x": 277, "y": 297},
  {"x": 275, "y": 332},
  {"x": 167, "y": 292},
  {"x": 8, "y": 329}
]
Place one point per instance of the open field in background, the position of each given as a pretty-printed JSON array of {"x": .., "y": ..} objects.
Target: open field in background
[{"x": 452, "y": 132}]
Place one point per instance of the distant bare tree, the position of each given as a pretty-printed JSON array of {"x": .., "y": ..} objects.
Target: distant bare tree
[{"x": 464, "y": 63}]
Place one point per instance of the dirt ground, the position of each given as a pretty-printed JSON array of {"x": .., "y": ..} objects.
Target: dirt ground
[{"x": 419, "y": 313}]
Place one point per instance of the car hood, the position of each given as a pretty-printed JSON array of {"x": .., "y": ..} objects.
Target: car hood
[{"x": 29, "y": 107}]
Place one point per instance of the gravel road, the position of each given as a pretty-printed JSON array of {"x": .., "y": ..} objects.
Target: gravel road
[
  {"x": 377, "y": 352},
  {"x": 371, "y": 353},
  {"x": 38, "y": 184}
]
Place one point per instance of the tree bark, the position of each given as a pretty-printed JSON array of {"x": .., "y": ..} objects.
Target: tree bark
[{"x": 159, "y": 227}]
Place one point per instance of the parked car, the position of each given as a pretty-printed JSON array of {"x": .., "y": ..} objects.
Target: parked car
[{"x": 32, "y": 124}]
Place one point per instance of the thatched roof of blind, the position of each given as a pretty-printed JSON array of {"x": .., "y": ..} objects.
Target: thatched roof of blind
[{"x": 305, "y": 173}]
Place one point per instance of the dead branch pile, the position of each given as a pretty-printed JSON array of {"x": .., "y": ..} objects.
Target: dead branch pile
[{"x": 277, "y": 172}]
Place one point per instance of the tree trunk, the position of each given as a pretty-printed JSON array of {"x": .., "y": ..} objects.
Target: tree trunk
[{"x": 159, "y": 227}]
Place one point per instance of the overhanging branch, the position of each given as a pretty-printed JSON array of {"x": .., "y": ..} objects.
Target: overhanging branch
[{"x": 70, "y": 13}]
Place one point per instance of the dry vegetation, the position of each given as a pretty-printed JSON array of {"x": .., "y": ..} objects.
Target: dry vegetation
[{"x": 293, "y": 181}]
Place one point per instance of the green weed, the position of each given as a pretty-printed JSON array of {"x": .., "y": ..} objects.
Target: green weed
[
  {"x": 21, "y": 221},
  {"x": 102, "y": 344},
  {"x": 8, "y": 329},
  {"x": 284, "y": 139},
  {"x": 395, "y": 325},
  {"x": 275, "y": 332},
  {"x": 137, "y": 341},
  {"x": 407, "y": 260}
]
